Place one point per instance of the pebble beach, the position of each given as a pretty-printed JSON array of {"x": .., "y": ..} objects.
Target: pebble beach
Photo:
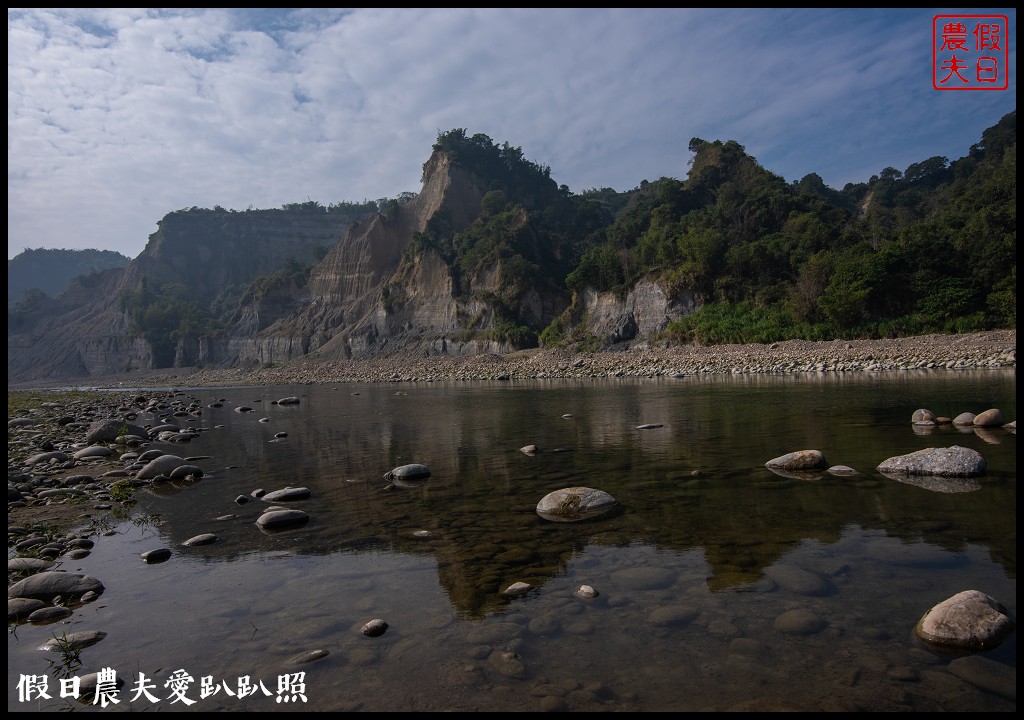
[{"x": 985, "y": 350}]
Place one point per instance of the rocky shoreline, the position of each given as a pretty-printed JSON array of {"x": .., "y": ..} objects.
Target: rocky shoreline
[{"x": 984, "y": 350}]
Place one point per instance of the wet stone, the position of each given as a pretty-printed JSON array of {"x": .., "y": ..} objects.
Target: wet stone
[
  {"x": 47, "y": 585},
  {"x": 287, "y": 494},
  {"x": 672, "y": 615},
  {"x": 151, "y": 557},
  {"x": 308, "y": 656},
  {"x": 990, "y": 675},
  {"x": 74, "y": 641},
  {"x": 573, "y": 504},
  {"x": 21, "y": 608},
  {"x": 281, "y": 519},
  {"x": 26, "y": 564},
  {"x": 799, "y": 622},
  {"x": 374, "y": 628},
  {"x": 49, "y": 614}
]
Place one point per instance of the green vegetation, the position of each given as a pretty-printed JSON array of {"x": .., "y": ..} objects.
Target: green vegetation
[
  {"x": 930, "y": 249},
  {"x": 163, "y": 315},
  {"x": 122, "y": 491}
]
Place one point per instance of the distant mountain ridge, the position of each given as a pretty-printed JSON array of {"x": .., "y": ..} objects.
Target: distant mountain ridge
[
  {"x": 492, "y": 255},
  {"x": 52, "y": 270}
]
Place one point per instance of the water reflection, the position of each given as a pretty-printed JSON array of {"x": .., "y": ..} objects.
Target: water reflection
[{"x": 761, "y": 575}]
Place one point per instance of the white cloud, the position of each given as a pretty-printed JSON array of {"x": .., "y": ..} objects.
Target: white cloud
[{"x": 117, "y": 117}]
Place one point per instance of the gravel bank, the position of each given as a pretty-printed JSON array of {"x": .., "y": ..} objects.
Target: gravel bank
[{"x": 993, "y": 349}]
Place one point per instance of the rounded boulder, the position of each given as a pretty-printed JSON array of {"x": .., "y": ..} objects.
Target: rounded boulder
[{"x": 575, "y": 503}]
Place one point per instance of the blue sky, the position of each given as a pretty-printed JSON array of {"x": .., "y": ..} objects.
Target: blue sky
[{"x": 116, "y": 117}]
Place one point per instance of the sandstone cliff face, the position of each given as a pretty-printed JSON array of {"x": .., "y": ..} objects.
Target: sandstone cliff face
[
  {"x": 371, "y": 294},
  {"x": 348, "y": 314},
  {"x": 83, "y": 333},
  {"x": 73, "y": 335},
  {"x": 646, "y": 311}
]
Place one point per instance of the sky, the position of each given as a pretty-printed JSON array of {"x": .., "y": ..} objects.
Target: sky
[{"x": 117, "y": 117}]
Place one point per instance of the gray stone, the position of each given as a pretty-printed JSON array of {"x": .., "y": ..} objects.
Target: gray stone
[
  {"x": 183, "y": 471},
  {"x": 31, "y": 564},
  {"x": 20, "y": 608},
  {"x": 954, "y": 461},
  {"x": 93, "y": 451},
  {"x": 966, "y": 418},
  {"x": 111, "y": 430},
  {"x": 799, "y": 460},
  {"x": 923, "y": 417},
  {"x": 308, "y": 656},
  {"x": 55, "y": 455},
  {"x": 287, "y": 494},
  {"x": 74, "y": 641},
  {"x": 50, "y": 614},
  {"x": 516, "y": 589},
  {"x": 374, "y": 628},
  {"x": 970, "y": 619},
  {"x": 204, "y": 539},
  {"x": 162, "y": 465},
  {"x": 152, "y": 557},
  {"x": 48, "y": 585},
  {"x": 278, "y": 519}
]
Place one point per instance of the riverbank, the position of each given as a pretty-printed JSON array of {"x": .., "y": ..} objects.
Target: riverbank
[{"x": 992, "y": 349}]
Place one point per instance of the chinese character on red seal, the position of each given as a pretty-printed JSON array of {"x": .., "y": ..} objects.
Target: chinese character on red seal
[{"x": 970, "y": 52}]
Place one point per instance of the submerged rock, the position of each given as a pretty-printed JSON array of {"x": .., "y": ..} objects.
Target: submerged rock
[
  {"x": 413, "y": 471},
  {"x": 575, "y": 503}
]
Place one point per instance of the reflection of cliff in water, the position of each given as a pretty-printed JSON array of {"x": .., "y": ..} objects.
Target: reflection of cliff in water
[{"x": 697, "y": 483}]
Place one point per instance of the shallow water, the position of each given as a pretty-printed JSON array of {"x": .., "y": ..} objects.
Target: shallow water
[{"x": 722, "y": 585}]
